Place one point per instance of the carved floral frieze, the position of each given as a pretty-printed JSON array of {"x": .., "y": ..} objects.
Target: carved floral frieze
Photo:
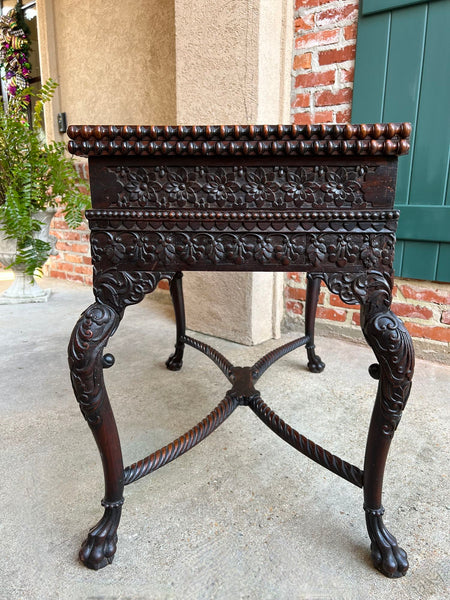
[
  {"x": 238, "y": 187},
  {"x": 158, "y": 250}
]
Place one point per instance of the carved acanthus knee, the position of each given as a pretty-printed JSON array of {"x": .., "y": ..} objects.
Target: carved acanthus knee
[
  {"x": 120, "y": 289},
  {"x": 89, "y": 337},
  {"x": 392, "y": 346}
]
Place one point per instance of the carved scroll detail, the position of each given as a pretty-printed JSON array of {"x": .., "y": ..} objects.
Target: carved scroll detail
[
  {"x": 353, "y": 288},
  {"x": 392, "y": 345},
  {"x": 350, "y": 287},
  {"x": 89, "y": 337},
  {"x": 384, "y": 332},
  {"x": 120, "y": 289}
]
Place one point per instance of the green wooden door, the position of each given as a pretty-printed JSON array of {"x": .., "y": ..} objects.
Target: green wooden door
[{"x": 402, "y": 73}]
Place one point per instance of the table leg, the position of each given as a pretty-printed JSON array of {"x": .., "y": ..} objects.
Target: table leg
[
  {"x": 90, "y": 335},
  {"x": 175, "y": 360},
  {"x": 393, "y": 349},
  {"x": 315, "y": 364}
]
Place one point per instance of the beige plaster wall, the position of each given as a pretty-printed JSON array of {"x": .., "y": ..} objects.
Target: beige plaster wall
[
  {"x": 233, "y": 66},
  {"x": 275, "y": 44},
  {"x": 114, "y": 60},
  {"x": 178, "y": 61},
  {"x": 217, "y": 61}
]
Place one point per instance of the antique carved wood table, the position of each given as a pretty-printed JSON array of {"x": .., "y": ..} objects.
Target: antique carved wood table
[{"x": 317, "y": 198}]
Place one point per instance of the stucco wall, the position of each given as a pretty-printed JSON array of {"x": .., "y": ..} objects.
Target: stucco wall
[
  {"x": 115, "y": 61},
  {"x": 234, "y": 60},
  {"x": 217, "y": 66},
  {"x": 183, "y": 61},
  {"x": 233, "y": 66}
]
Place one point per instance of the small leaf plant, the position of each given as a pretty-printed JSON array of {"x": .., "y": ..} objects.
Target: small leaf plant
[{"x": 34, "y": 175}]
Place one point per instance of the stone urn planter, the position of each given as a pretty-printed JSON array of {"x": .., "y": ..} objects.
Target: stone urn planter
[{"x": 23, "y": 289}]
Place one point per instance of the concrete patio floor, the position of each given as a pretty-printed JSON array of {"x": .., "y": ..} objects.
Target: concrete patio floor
[{"x": 243, "y": 515}]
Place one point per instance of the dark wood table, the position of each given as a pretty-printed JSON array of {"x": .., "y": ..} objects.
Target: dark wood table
[{"x": 314, "y": 198}]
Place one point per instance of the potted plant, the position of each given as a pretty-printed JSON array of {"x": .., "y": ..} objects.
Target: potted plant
[{"x": 35, "y": 179}]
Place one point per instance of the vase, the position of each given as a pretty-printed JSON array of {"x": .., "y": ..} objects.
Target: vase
[{"x": 25, "y": 289}]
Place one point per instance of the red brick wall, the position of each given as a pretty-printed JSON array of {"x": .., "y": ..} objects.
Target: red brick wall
[
  {"x": 323, "y": 70},
  {"x": 73, "y": 261},
  {"x": 324, "y": 53},
  {"x": 423, "y": 306}
]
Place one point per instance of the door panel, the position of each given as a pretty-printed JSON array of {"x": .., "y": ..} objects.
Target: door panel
[
  {"x": 402, "y": 73},
  {"x": 403, "y": 78},
  {"x": 370, "y": 7}
]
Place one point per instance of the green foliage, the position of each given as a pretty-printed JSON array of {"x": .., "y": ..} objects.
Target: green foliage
[
  {"x": 34, "y": 176},
  {"x": 21, "y": 21}
]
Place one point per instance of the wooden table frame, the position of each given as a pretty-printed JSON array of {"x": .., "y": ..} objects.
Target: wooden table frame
[{"x": 316, "y": 198}]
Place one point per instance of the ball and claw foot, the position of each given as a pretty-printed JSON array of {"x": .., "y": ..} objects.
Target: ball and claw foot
[
  {"x": 315, "y": 364},
  {"x": 98, "y": 550},
  {"x": 175, "y": 360},
  {"x": 387, "y": 556}
]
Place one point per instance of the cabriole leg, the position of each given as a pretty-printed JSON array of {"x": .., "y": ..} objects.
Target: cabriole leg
[
  {"x": 90, "y": 336},
  {"x": 392, "y": 346},
  {"x": 315, "y": 364},
  {"x": 175, "y": 360}
]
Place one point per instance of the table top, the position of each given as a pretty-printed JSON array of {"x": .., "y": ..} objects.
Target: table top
[
  {"x": 242, "y": 197},
  {"x": 376, "y": 139}
]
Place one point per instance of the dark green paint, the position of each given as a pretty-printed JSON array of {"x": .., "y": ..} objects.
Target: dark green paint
[
  {"x": 370, "y": 7},
  {"x": 370, "y": 68},
  {"x": 398, "y": 258},
  {"x": 419, "y": 260},
  {"x": 443, "y": 269},
  {"x": 424, "y": 223},
  {"x": 430, "y": 162},
  {"x": 403, "y": 78}
]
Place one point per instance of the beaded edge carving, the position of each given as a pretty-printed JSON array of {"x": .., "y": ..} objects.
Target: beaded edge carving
[{"x": 247, "y": 140}]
